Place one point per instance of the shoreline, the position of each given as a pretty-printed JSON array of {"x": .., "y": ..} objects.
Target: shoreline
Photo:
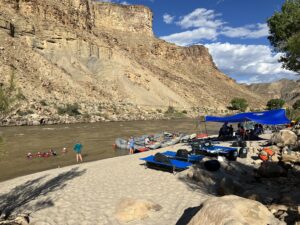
[
  {"x": 90, "y": 193},
  {"x": 97, "y": 138},
  {"x": 31, "y": 123}
]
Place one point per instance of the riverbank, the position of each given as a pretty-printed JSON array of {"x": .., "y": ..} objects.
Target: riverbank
[
  {"x": 90, "y": 193},
  {"x": 121, "y": 189}
]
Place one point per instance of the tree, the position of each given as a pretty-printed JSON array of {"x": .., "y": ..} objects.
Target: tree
[
  {"x": 4, "y": 101},
  {"x": 275, "y": 104},
  {"x": 239, "y": 104},
  {"x": 296, "y": 105},
  {"x": 284, "y": 36},
  {"x": 8, "y": 96}
]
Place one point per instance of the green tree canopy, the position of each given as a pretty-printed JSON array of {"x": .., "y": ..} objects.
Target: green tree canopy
[
  {"x": 296, "y": 105},
  {"x": 239, "y": 104},
  {"x": 275, "y": 103},
  {"x": 285, "y": 34}
]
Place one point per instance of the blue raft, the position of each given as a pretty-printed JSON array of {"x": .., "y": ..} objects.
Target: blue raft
[
  {"x": 191, "y": 157},
  {"x": 173, "y": 164}
]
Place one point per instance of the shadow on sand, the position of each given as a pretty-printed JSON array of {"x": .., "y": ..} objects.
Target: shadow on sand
[
  {"x": 25, "y": 193},
  {"x": 244, "y": 180}
]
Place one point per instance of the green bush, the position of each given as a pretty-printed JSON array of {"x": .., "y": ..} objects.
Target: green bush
[
  {"x": 173, "y": 113},
  {"x": 239, "y": 104},
  {"x": 275, "y": 103},
  {"x": 159, "y": 110},
  {"x": 4, "y": 101},
  {"x": 170, "y": 110},
  {"x": 24, "y": 113},
  {"x": 43, "y": 102},
  {"x": 184, "y": 112},
  {"x": 86, "y": 116},
  {"x": 296, "y": 105},
  {"x": 70, "y": 109},
  {"x": 20, "y": 95}
]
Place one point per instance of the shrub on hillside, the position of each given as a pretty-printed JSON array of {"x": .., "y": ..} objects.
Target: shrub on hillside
[
  {"x": 275, "y": 103},
  {"x": 70, "y": 109},
  {"x": 239, "y": 104},
  {"x": 296, "y": 105},
  {"x": 170, "y": 110}
]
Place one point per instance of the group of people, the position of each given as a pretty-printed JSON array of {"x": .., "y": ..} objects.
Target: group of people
[
  {"x": 131, "y": 143},
  {"x": 77, "y": 149},
  {"x": 227, "y": 132},
  {"x": 51, "y": 152}
]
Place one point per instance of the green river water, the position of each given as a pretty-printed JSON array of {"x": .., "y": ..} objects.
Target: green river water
[{"x": 97, "y": 140}]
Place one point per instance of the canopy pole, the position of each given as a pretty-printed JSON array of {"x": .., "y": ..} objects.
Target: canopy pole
[
  {"x": 205, "y": 128},
  {"x": 244, "y": 131}
]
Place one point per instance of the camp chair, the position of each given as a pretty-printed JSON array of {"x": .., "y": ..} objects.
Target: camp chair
[
  {"x": 179, "y": 155},
  {"x": 163, "y": 162}
]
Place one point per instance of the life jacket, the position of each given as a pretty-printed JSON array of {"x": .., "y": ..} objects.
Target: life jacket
[
  {"x": 202, "y": 135},
  {"x": 266, "y": 154}
]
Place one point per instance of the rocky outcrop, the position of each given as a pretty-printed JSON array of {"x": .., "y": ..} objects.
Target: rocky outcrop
[
  {"x": 233, "y": 210},
  {"x": 105, "y": 58},
  {"x": 284, "y": 138}
]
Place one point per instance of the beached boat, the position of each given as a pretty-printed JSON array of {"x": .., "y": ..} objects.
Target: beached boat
[
  {"x": 158, "y": 140},
  {"x": 155, "y": 145},
  {"x": 170, "y": 142}
]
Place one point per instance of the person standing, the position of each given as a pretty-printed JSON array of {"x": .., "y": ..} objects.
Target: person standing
[
  {"x": 131, "y": 145},
  {"x": 77, "y": 148}
]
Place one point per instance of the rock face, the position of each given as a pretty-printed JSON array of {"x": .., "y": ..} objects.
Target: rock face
[
  {"x": 289, "y": 90},
  {"x": 135, "y": 209},
  {"x": 233, "y": 210},
  {"x": 105, "y": 58}
]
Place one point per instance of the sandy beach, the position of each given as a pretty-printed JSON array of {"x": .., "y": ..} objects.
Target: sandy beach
[{"x": 89, "y": 193}]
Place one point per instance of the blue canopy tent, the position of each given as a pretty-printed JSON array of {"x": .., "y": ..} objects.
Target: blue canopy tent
[{"x": 271, "y": 117}]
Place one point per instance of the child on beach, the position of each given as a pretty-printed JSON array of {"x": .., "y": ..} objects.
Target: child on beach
[{"x": 77, "y": 148}]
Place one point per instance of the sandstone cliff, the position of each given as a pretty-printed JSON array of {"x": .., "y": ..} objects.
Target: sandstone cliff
[
  {"x": 105, "y": 58},
  {"x": 289, "y": 90}
]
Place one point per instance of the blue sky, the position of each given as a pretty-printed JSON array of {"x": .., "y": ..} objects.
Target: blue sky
[{"x": 234, "y": 31}]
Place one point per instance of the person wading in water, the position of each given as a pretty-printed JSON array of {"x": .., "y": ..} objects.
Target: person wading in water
[{"x": 77, "y": 148}]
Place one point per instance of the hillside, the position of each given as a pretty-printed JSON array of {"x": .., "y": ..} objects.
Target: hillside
[
  {"x": 289, "y": 90},
  {"x": 105, "y": 58}
]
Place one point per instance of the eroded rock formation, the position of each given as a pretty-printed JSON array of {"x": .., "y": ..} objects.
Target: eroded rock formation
[{"x": 105, "y": 58}]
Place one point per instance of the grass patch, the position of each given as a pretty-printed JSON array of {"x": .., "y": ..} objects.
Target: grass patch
[
  {"x": 173, "y": 113},
  {"x": 69, "y": 109},
  {"x": 43, "y": 102},
  {"x": 24, "y": 113}
]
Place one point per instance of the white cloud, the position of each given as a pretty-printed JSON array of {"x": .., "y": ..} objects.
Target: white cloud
[
  {"x": 248, "y": 63},
  {"x": 191, "y": 37},
  {"x": 168, "y": 19},
  {"x": 124, "y": 3},
  {"x": 200, "y": 18},
  {"x": 249, "y": 31},
  {"x": 201, "y": 21}
]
